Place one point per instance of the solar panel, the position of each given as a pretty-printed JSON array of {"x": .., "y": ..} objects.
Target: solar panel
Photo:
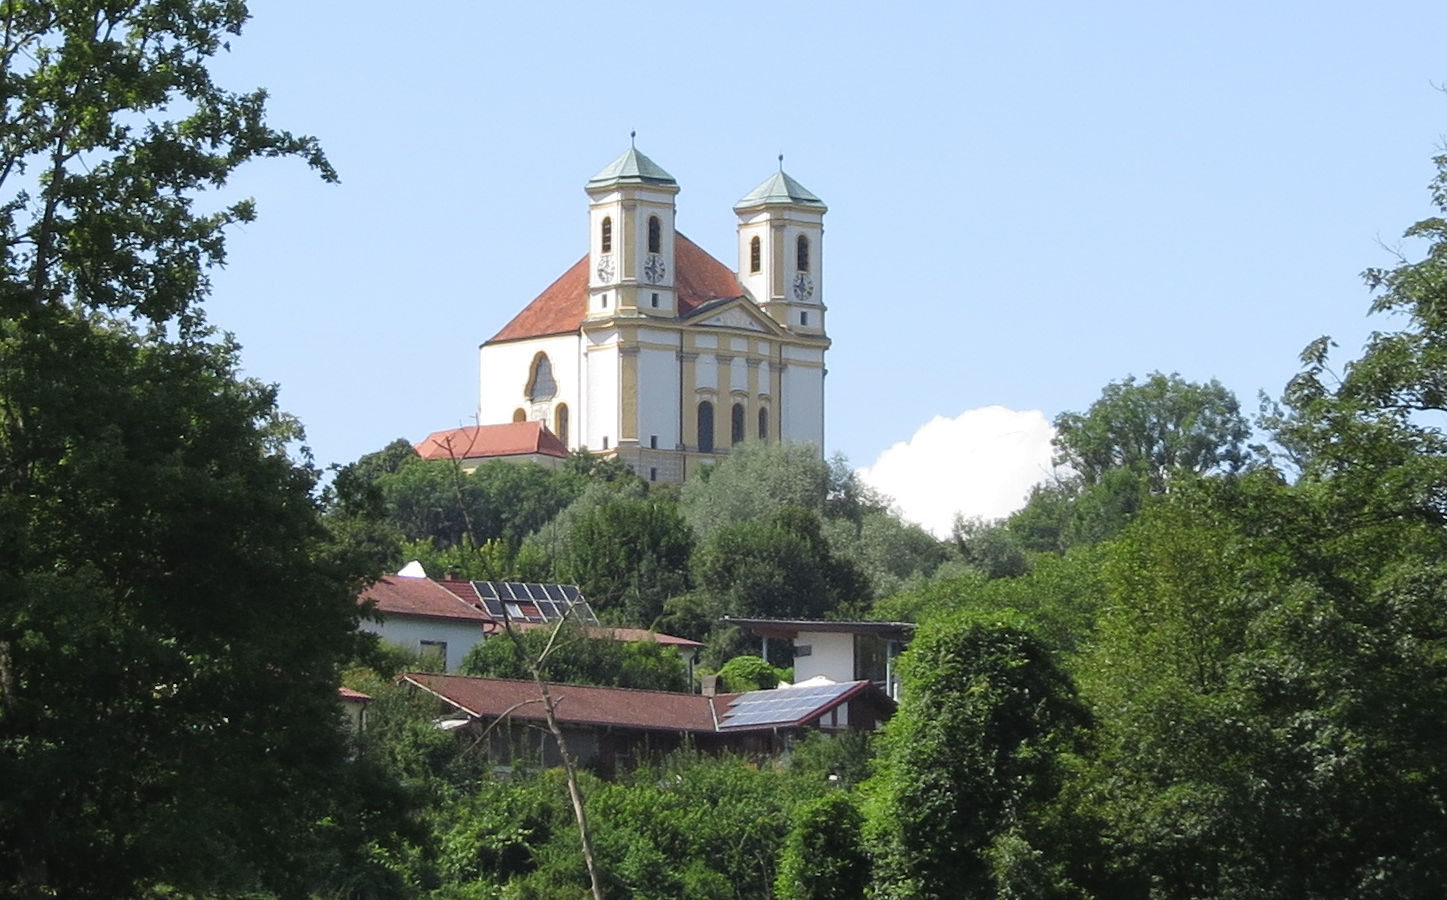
[
  {"x": 534, "y": 603},
  {"x": 782, "y": 706}
]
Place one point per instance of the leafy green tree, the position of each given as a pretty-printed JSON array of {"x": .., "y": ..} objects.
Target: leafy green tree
[
  {"x": 753, "y": 482},
  {"x": 780, "y": 566},
  {"x": 749, "y": 673},
  {"x": 581, "y": 658},
  {"x": 824, "y": 857},
  {"x": 1156, "y": 428},
  {"x": 173, "y": 615},
  {"x": 971, "y": 763}
]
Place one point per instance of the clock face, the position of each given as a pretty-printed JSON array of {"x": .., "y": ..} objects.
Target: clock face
[
  {"x": 653, "y": 268},
  {"x": 605, "y": 268},
  {"x": 803, "y": 286}
]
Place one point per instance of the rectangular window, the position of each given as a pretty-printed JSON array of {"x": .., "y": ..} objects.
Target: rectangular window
[
  {"x": 803, "y": 318},
  {"x": 652, "y": 474},
  {"x": 434, "y": 655},
  {"x": 653, "y": 442},
  {"x": 655, "y": 301},
  {"x": 605, "y": 443},
  {"x": 605, "y": 301}
]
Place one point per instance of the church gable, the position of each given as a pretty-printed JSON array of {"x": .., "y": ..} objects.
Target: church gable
[{"x": 739, "y": 313}]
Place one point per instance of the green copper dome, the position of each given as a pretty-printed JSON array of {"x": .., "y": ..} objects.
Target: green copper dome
[
  {"x": 780, "y": 189},
  {"x": 631, "y": 168}
]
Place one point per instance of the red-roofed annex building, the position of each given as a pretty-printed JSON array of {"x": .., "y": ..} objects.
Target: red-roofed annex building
[{"x": 650, "y": 349}]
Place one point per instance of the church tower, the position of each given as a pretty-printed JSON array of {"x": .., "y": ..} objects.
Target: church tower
[
  {"x": 781, "y": 231},
  {"x": 631, "y": 258}
]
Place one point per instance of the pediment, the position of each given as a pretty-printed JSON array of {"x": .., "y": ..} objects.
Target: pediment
[{"x": 738, "y": 314}]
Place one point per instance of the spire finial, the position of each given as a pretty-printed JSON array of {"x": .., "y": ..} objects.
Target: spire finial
[
  {"x": 632, "y": 139},
  {"x": 781, "y": 162}
]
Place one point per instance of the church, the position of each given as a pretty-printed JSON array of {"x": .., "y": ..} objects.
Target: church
[{"x": 651, "y": 350}]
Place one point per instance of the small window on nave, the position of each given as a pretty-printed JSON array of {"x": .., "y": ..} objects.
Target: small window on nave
[
  {"x": 736, "y": 423},
  {"x": 756, "y": 255},
  {"x": 560, "y": 422},
  {"x": 519, "y": 415},
  {"x": 655, "y": 235},
  {"x": 606, "y": 238},
  {"x": 763, "y": 424},
  {"x": 802, "y": 246},
  {"x": 541, "y": 385}
]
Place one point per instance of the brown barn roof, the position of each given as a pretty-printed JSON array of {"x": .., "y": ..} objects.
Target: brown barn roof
[
  {"x": 697, "y": 279},
  {"x": 399, "y": 596},
  {"x": 479, "y": 441},
  {"x": 576, "y": 704}
]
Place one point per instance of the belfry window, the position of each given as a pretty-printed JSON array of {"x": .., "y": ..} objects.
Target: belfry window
[
  {"x": 736, "y": 429},
  {"x": 756, "y": 255},
  {"x": 802, "y": 248},
  {"x": 606, "y": 238},
  {"x": 655, "y": 235},
  {"x": 541, "y": 385},
  {"x": 705, "y": 427}
]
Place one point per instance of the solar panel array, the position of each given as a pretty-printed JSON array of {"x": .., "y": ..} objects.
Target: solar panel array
[
  {"x": 782, "y": 706},
  {"x": 532, "y": 602}
]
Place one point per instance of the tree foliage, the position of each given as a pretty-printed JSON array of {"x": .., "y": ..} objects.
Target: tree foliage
[{"x": 172, "y": 614}]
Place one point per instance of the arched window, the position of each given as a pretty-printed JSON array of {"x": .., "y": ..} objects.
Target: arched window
[
  {"x": 606, "y": 239},
  {"x": 705, "y": 427},
  {"x": 518, "y": 415},
  {"x": 541, "y": 385},
  {"x": 802, "y": 245},
  {"x": 560, "y": 422},
  {"x": 756, "y": 255},
  {"x": 736, "y": 425},
  {"x": 763, "y": 424},
  {"x": 655, "y": 235}
]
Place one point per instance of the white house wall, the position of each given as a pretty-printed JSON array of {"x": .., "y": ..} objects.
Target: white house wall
[
  {"x": 830, "y": 655},
  {"x": 409, "y": 632}
]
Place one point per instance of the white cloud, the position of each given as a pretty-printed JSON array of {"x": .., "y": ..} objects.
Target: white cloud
[{"x": 982, "y": 463}]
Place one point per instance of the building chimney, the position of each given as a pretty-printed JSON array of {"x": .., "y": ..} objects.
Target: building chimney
[{"x": 708, "y": 685}]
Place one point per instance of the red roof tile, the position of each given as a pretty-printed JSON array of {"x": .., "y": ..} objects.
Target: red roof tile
[
  {"x": 347, "y": 693},
  {"x": 698, "y": 278},
  {"x": 489, "y": 441},
  {"x": 394, "y": 595}
]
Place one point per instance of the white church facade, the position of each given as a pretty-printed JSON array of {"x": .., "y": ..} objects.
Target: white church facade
[{"x": 651, "y": 350}]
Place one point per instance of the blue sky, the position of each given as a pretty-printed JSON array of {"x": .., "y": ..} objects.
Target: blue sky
[{"x": 1027, "y": 200}]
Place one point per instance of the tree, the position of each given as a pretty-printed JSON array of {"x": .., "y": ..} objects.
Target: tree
[
  {"x": 582, "y": 658},
  {"x": 823, "y": 857},
  {"x": 753, "y": 481},
  {"x": 780, "y": 566},
  {"x": 1157, "y": 429},
  {"x": 971, "y": 761},
  {"x": 172, "y": 619}
]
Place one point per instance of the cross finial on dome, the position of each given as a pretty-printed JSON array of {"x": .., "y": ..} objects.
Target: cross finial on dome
[
  {"x": 632, "y": 139},
  {"x": 781, "y": 162}
]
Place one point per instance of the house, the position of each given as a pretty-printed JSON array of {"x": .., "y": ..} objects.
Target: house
[
  {"x": 611, "y": 728},
  {"x": 447, "y": 618},
  {"x": 651, "y": 350},
  {"x": 354, "y": 708},
  {"x": 838, "y": 651},
  {"x": 512, "y": 442}
]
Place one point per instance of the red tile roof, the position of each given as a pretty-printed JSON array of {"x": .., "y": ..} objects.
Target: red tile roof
[
  {"x": 697, "y": 279},
  {"x": 577, "y": 704},
  {"x": 492, "y": 441},
  {"x": 395, "y": 595},
  {"x": 492, "y": 698},
  {"x": 347, "y": 693}
]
